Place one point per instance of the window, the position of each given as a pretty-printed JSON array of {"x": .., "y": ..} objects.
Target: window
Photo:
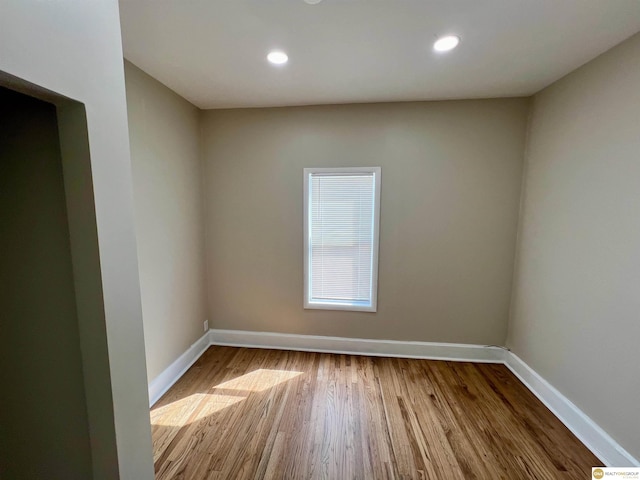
[{"x": 341, "y": 217}]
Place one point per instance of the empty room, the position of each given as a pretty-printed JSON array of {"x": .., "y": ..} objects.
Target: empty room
[{"x": 320, "y": 239}]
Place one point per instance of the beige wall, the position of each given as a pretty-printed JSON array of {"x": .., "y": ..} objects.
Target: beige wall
[
  {"x": 451, "y": 176},
  {"x": 169, "y": 218},
  {"x": 575, "y": 316},
  {"x": 73, "y": 48}
]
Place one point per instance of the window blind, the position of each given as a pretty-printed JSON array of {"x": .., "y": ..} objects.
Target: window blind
[{"x": 341, "y": 237}]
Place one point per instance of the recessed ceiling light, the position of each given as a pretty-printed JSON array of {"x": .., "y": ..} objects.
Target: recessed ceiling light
[
  {"x": 277, "y": 57},
  {"x": 312, "y": 2},
  {"x": 444, "y": 44}
]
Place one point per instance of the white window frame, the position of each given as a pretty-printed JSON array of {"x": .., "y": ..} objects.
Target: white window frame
[{"x": 308, "y": 304}]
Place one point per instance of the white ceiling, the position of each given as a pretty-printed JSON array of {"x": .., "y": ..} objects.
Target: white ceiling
[{"x": 212, "y": 52}]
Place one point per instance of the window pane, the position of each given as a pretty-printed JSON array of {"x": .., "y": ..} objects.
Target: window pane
[{"x": 341, "y": 229}]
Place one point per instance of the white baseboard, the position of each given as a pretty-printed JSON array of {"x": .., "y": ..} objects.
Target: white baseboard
[
  {"x": 357, "y": 346},
  {"x": 587, "y": 431},
  {"x": 173, "y": 372}
]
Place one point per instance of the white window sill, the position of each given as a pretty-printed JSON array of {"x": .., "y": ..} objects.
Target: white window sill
[{"x": 353, "y": 307}]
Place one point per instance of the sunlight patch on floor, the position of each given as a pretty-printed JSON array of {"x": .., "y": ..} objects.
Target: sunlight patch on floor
[
  {"x": 192, "y": 408},
  {"x": 259, "y": 380},
  {"x": 197, "y": 406}
]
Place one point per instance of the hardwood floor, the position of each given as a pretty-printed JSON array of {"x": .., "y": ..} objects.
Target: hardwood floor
[{"x": 250, "y": 413}]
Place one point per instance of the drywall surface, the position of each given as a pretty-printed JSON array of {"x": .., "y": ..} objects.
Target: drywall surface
[
  {"x": 167, "y": 179},
  {"x": 39, "y": 373},
  {"x": 73, "y": 48},
  {"x": 575, "y": 315},
  {"x": 451, "y": 177}
]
